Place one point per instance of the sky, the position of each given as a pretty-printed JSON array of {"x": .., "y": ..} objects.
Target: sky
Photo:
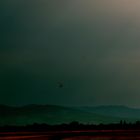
[{"x": 90, "y": 47}]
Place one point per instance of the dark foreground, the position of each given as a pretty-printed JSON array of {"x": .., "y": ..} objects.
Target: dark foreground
[{"x": 73, "y": 135}]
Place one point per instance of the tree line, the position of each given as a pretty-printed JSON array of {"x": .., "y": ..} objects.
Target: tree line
[{"x": 75, "y": 125}]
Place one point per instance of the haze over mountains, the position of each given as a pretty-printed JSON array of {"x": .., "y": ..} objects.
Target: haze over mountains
[
  {"x": 114, "y": 111},
  {"x": 52, "y": 114}
]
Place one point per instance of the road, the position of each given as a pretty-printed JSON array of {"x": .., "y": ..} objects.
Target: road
[{"x": 73, "y": 135}]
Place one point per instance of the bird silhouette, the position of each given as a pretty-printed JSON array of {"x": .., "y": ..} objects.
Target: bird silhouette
[{"x": 60, "y": 85}]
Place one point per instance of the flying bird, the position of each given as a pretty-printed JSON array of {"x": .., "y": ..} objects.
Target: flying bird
[{"x": 60, "y": 85}]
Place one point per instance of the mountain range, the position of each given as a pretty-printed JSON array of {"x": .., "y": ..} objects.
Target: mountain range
[
  {"x": 114, "y": 111},
  {"x": 53, "y": 114}
]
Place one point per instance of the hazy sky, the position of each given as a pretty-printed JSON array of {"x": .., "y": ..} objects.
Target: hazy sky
[{"x": 91, "y": 46}]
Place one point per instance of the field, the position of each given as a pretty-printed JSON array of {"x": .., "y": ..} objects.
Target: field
[{"x": 73, "y": 135}]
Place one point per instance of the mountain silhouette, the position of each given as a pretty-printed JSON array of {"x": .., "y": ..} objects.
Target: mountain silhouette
[
  {"x": 52, "y": 114},
  {"x": 114, "y": 111}
]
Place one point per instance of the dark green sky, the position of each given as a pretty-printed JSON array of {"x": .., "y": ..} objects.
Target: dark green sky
[{"x": 91, "y": 46}]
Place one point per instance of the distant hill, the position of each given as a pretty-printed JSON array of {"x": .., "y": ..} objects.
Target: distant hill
[
  {"x": 50, "y": 114},
  {"x": 114, "y": 111}
]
